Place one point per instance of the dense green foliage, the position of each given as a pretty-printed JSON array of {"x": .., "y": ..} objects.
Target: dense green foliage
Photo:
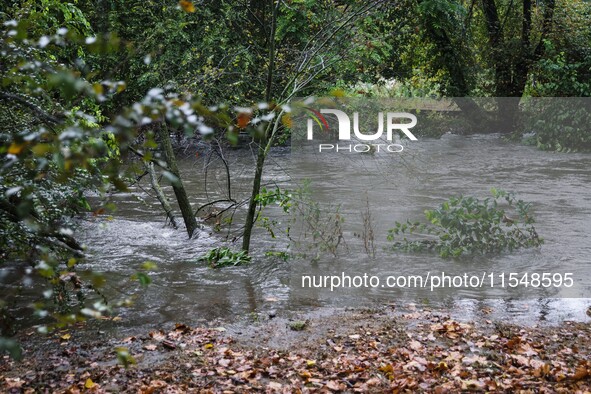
[
  {"x": 560, "y": 124},
  {"x": 58, "y": 147},
  {"x": 567, "y": 131},
  {"x": 53, "y": 152},
  {"x": 467, "y": 225}
]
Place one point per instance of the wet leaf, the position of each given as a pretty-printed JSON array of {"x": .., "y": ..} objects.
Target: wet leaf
[
  {"x": 143, "y": 278},
  {"x": 187, "y": 6},
  {"x": 415, "y": 345},
  {"x": 581, "y": 373},
  {"x": 16, "y": 148},
  {"x": 243, "y": 120},
  {"x": 157, "y": 335},
  {"x": 473, "y": 385},
  {"x": 89, "y": 384}
]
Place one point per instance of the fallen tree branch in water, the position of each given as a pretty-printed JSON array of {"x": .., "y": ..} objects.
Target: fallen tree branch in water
[{"x": 160, "y": 195}]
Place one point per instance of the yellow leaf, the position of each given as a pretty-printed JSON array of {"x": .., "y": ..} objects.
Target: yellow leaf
[
  {"x": 65, "y": 337},
  {"x": 208, "y": 346},
  {"x": 98, "y": 89},
  {"x": 149, "y": 266},
  {"x": 15, "y": 148},
  {"x": 337, "y": 93},
  {"x": 89, "y": 383},
  {"x": 305, "y": 374},
  {"x": 286, "y": 120},
  {"x": 187, "y": 6},
  {"x": 41, "y": 149}
]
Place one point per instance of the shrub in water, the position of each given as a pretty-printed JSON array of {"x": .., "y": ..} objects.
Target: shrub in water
[
  {"x": 467, "y": 225},
  {"x": 224, "y": 257}
]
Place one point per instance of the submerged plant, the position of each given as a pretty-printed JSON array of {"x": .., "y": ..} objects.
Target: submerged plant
[
  {"x": 468, "y": 225},
  {"x": 225, "y": 257},
  {"x": 312, "y": 227}
]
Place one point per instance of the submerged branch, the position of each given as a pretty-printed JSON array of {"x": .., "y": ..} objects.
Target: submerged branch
[{"x": 160, "y": 195}]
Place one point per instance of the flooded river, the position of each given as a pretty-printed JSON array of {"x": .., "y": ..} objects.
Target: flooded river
[{"x": 396, "y": 188}]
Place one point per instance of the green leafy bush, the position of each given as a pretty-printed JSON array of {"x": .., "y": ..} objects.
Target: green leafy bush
[
  {"x": 560, "y": 125},
  {"x": 56, "y": 148},
  {"x": 468, "y": 225},
  {"x": 225, "y": 257}
]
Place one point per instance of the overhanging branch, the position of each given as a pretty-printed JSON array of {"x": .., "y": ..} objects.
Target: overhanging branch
[{"x": 34, "y": 108}]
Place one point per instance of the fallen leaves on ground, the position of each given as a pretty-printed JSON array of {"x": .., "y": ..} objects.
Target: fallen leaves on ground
[{"x": 417, "y": 352}]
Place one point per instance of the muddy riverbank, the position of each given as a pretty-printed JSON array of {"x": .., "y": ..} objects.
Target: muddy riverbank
[{"x": 393, "y": 348}]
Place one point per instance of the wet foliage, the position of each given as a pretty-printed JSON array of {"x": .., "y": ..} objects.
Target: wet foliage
[
  {"x": 560, "y": 125},
  {"x": 467, "y": 225},
  {"x": 57, "y": 149},
  {"x": 225, "y": 257}
]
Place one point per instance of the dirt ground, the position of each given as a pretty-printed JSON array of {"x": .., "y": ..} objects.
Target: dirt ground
[{"x": 361, "y": 350}]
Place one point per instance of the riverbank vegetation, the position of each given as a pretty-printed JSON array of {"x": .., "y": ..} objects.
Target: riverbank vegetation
[{"x": 96, "y": 95}]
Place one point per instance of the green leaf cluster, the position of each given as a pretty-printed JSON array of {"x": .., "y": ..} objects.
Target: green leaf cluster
[
  {"x": 468, "y": 225},
  {"x": 225, "y": 257}
]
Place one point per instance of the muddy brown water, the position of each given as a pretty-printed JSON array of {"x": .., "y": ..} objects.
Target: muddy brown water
[{"x": 397, "y": 187}]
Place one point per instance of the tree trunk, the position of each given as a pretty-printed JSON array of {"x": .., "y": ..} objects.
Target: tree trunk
[
  {"x": 510, "y": 68},
  {"x": 450, "y": 58},
  {"x": 511, "y": 72},
  {"x": 160, "y": 195},
  {"x": 263, "y": 148},
  {"x": 252, "y": 205},
  {"x": 179, "y": 189}
]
